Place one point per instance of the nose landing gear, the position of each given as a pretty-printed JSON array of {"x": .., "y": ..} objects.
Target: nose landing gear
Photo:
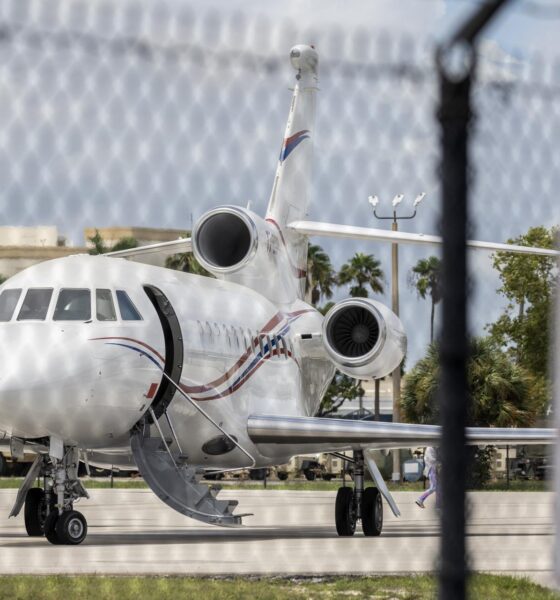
[
  {"x": 357, "y": 504},
  {"x": 50, "y": 511}
]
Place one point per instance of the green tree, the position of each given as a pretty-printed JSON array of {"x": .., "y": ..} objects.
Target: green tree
[
  {"x": 501, "y": 390},
  {"x": 125, "y": 243},
  {"x": 341, "y": 389},
  {"x": 425, "y": 277},
  {"x": 98, "y": 242},
  {"x": 325, "y": 308},
  {"x": 321, "y": 277},
  {"x": 186, "y": 262},
  {"x": 361, "y": 271},
  {"x": 100, "y": 247},
  {"x": 2, "y": 279},
  {"x": 527, "y": 283}
]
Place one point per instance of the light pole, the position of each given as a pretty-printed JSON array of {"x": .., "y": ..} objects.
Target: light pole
[{"x": 374, "y": 201}]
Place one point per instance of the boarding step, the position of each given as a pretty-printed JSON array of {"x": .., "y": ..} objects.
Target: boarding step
[{"x": 178, "y": 484}]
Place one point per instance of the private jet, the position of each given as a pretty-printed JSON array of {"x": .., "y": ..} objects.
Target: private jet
[{"x": 108, "y": 360}]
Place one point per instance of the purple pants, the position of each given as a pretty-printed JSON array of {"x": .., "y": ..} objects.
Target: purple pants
[{"x": 432, "y": 477}]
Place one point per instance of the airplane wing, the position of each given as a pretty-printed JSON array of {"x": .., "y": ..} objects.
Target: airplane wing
[
  {"x": 314, "y": 434},
  {"x": 306, "y": 435},
  {"x": 400, "y": 237},
  {"x": 145, "y": 253}
]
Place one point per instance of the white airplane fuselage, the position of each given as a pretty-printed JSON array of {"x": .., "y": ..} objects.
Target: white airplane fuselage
[{"x": 88, "y": 383}]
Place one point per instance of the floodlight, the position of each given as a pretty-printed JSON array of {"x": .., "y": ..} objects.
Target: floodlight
[
  {"x": 419, "y": 199},
  {"x": 397, "y": 199}
]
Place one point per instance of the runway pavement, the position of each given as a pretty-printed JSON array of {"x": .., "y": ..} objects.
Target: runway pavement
[{"x": 291, "y": 532}]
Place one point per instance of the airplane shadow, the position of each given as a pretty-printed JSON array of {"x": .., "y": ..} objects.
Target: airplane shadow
[{"x": 238, "y": 535}]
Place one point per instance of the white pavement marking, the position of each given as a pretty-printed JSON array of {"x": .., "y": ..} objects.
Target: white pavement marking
[{"x": 132, "y": 532}]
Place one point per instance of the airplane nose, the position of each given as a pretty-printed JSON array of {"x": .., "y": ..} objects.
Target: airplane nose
[{"x": 33, "y": 368}]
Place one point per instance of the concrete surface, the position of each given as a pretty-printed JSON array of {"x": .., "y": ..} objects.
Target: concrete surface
[{"x": 291, "y": 532}]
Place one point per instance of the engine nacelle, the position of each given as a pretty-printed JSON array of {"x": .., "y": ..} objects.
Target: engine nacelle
[
  {"x": 237, "y": 245},
  {"x": 364, "y": 338}
]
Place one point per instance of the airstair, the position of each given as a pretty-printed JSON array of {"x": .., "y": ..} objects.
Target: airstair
[{"x": 160, "y": 462}]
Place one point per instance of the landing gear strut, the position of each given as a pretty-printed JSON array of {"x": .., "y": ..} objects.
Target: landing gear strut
[
  {"x": 357, "y": 504},
  {"x": 50, "y": 511}
]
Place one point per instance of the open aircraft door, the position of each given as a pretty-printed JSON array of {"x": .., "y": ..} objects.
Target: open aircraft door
[{"x": 174, "y": 350}]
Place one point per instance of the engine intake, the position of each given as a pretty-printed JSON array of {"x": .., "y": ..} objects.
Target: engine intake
[
  {"x": 225, "y": 239},
  {"x": 237, "y": 245},
  {"x": 364, "y": 338}
]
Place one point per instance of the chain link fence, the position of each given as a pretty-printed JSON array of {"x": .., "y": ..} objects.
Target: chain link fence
[{"x": 138, "y": 114}]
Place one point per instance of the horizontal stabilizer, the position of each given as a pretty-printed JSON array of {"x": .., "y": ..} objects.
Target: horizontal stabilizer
[
  {"x": 400, "y": 237},
  {"x": 313, "y": 434},
  {"x": 162, "y": 249}
]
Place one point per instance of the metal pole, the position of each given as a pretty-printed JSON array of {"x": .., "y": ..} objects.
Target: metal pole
[
  {"x": 507, "y": 467},
  {"x": 454, "y": 117},
  {"x": 397, "y": 372},
  {"x": 456, "y": 65},
  {"x": 376, "y": 400}
]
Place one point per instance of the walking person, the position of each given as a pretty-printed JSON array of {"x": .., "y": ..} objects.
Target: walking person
[{"x": 431, "y": 472}]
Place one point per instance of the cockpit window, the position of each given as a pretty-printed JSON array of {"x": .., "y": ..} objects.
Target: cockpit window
[
  {"x": 127, "y": 308},
  {"x": 73, "y": 305},
  {"x": 36, "y": 305},
  {"x": 105, "y": 306},
  {"x": 8, "y": 302}
]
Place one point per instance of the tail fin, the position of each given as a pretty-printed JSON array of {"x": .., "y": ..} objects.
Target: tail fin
[{"x": 290, "y": 194}]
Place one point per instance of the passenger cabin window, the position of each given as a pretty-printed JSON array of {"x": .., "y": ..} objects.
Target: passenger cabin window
[
  {"x": 8, "y": 302},
  {"x": 105, "y": 307},
  {"x": 127, "y": 308},
  {"x": 35, "y": 305},
  {"x": 73, "y": 305}
]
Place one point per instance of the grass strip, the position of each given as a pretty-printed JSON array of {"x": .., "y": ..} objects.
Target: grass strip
[
  {"x": 416, "y": 587},
  {"x": 312, "y": 486}
]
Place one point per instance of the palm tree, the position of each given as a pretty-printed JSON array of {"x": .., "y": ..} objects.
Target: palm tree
[
  {"x": 186, "y": 262},
  {"x": 362, "y": 270},
  {"x": 425, "y": 277},
  {"x": 320, "y": 275},
  {"x": 502, "y": 392}
]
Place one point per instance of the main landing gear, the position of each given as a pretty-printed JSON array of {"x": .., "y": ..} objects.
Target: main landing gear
[
  {"x": 49, "y": 511},
  {"x": 353, "y": 505}
]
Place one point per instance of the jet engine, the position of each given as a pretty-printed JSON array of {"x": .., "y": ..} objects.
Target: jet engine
[
  {"x": 364, "y": 338},
  {"x": 235, "y": 244}
]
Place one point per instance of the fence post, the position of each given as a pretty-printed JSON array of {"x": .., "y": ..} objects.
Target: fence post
[{"x": 456, "y": 64}]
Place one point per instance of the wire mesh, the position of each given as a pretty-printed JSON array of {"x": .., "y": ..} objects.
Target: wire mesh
[{"x": 137, "y": 114}]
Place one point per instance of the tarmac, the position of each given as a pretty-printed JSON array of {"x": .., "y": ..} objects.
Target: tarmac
[{"x": 291, "y": 532}]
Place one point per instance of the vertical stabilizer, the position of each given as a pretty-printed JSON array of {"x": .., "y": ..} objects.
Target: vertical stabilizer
[{"x": 290, "y": 193}]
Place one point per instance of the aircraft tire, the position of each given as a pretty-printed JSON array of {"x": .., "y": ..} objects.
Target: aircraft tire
[
  {"x": 372, "y": 512},
  {"x": 71, "y": 528},
  {"x": 35, "y": 512},
  {"x": 50, "y": 527},
  {"x": 345, "y": 513}
]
